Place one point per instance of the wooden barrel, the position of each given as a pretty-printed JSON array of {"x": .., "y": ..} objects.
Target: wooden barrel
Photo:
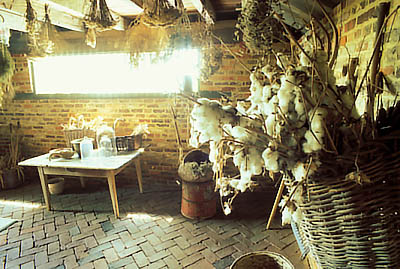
[{"x": 199, "y": 200}]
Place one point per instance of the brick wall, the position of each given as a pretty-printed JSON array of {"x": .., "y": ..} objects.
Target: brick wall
[
  {"x": 41, "y": 119},
  {"x": 356, "y": 21}
]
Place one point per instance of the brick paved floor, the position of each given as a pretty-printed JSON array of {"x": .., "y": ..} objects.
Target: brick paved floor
[{"x": 151, "y": 233}]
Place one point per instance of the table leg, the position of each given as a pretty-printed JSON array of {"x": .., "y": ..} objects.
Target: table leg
[
  {"x": 45, "y": 187},
  {"x": 139, "y": 173},
  {"x": 83, "y": 183},
  {"x": 113, "y": 192}
]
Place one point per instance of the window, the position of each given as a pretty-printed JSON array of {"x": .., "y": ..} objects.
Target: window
[{"x": 113, "y": 73}]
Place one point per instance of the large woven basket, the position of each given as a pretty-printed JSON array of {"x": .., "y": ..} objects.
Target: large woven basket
[
  {"x": 72, "y": 134},
  {"x": 350, "y": 224}
]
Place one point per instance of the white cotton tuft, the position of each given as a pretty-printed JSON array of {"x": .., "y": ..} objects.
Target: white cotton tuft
[
  {"x": 299, "y": 171},
  {"x": 286, "y": 216},
  {"x": 255, "y": 161},
  {"x": 270, "y": 123},
  {"x": 285, "y": 93},
  {"x": 317, "y": 121},
  {"x": 240, "y": 107},
  {"x": 311, "y": 144},
  {"x": 245, "y": 180},
  {"x": 227, "y": 209},
  {"x": 271, "y": 160},
  {"x": 267, "y": 92},
  {"x": 234, "y": 183},
  {"x": 297, "y": 216}
]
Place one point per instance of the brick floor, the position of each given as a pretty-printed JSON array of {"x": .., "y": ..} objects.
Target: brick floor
[{"x": 151, "y": 233}]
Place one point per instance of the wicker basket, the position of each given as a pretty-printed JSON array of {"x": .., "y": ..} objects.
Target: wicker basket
[
  {"x": 351, "y": 225},
  {"x": 128, "y": 142},
  {"x": 262, "y": 259},
  {"x": 73, "y": 134}
]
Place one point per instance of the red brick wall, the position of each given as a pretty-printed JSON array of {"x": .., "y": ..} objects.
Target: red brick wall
[
  {"x": 41, "y": 119},
  {"x": 356, "y": 21}
]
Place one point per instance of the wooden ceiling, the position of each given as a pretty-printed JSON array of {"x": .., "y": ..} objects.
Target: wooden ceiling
[{"x": 69, "y": 13}]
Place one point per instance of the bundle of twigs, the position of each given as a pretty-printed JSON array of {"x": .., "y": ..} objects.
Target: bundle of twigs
[
  {"x": 7, "y": 68},
  {"x": 97, "y": 19},
  {"x": 14, "y": 154}
]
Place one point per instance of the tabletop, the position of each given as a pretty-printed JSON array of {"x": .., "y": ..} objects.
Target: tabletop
[{"x": 104, "y": 163}]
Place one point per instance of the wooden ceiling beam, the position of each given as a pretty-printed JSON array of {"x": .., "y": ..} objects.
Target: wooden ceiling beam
[
  {"x": 206, "y": 10},
  {"x": 60, "y": 15}
]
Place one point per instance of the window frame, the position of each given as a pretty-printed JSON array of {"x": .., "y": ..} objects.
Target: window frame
[{"x": 121, "y": 95}]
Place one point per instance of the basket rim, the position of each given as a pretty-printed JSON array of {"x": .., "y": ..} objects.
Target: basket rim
[{"x": 265, "y": 252}]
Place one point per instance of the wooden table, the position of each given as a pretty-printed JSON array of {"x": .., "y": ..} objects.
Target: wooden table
[{"x": 105, "y": 167}]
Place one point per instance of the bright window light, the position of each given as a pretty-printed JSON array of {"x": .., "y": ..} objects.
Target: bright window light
[{"x": 113, "y": 73}]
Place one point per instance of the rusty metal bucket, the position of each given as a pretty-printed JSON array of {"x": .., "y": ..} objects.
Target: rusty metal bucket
[{"x": 199, "y": 200}]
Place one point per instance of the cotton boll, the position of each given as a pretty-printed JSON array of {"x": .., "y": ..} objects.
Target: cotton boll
[
  {"x": 286, "y": 216},
  {"x": 227, "y": 208},
  {"x": 268, "y": 72},
  {"x": 317, "y": 125},
  {"x": 193, "y": 141},
  {"x": 311, "y": 143},
  {"x": 270, "y": 123},
  {"x": 286, "y": 213},
  {"x": 213, "y": 156},
  {"x": 234, "y": 183},
  {"x": 255, "y": 160},
  {"x": 299, "y": 171},
  {"x": 317, "y": 121},
  {"x": 267, "y": 92},
  {"x": 297, "y": 216},
  {"x": 304, "y": 61},
  {"x": 223, "y": 192},
  {"x": 298, "y": 104},
  {"x": 239, "y": 133},
  {"x": 285, "y": 93},
  {"x": 245, "y": 180},
  {"x": 240, "y": 107},
  {"x": 238, "y": 158},
  {"x": 229, "y": 109},
  {"x": 267, "y": 109},
  {"x": 271, "y": 160}
]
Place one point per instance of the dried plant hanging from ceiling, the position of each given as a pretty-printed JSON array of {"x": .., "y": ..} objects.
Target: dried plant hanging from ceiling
[
  {"x": 97, "y": 19},
  {"x": 33, "y": 29},
  {"x": 161, "y": 13},
  {"x": 42, "y": 36},
  {"x": 211, "y": 59},
  {"x": 258, "y": 26},
  {"x": 7, "y": 68},
  {"x": 156, "y": 30},
  {"x": 47, "y": 33}
]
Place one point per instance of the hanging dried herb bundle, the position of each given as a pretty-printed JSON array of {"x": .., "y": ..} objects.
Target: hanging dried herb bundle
[
  {"x": 144, "y": 39},
  {"x": 47, "y": 33},
  {"x": 161, "y": 13},
  {"x": 98, "y": 19},
  {"x": 258, "y": 26},
  {"x": 160, "y": 29},
  {"x": 33, "y": 28},
  {"x": 211, "y": 59},
  {"x": 7, "y": 68}
]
